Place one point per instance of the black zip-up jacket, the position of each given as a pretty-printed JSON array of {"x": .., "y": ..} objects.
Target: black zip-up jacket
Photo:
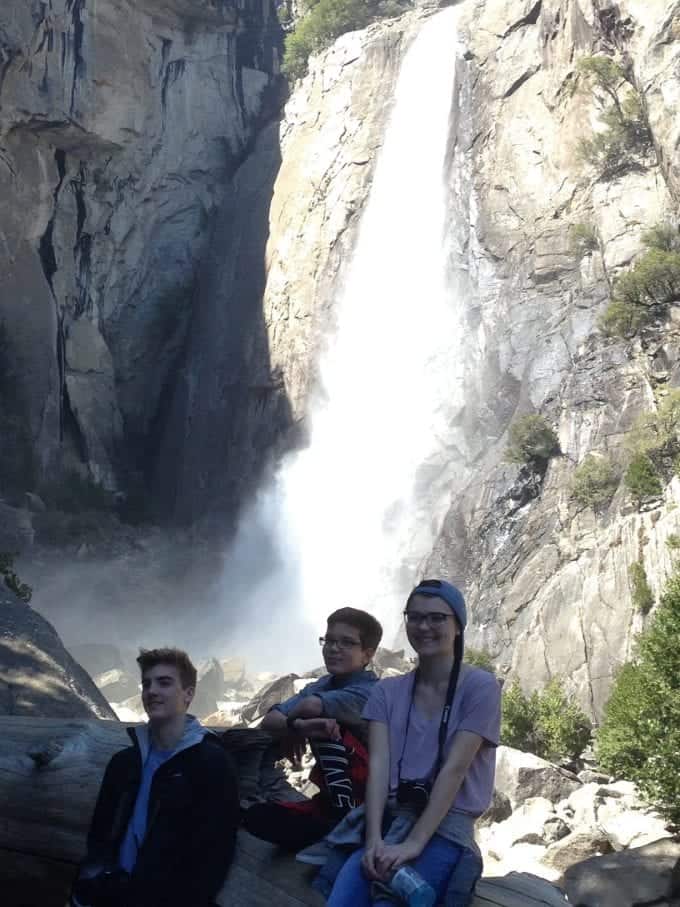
[{"x": 191, "y": 828}]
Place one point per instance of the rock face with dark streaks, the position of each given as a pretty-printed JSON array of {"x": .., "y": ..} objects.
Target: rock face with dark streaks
[{"x": 121, "y": 126}]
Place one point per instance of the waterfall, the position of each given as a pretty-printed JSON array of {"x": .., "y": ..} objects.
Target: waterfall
[{"x": 350, "y": 516}]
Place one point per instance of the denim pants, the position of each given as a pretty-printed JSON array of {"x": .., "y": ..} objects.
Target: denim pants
[{"x": 435, "y": 865}]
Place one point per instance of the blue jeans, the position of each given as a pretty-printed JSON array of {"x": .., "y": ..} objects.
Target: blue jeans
[{"x": 435, "y": 865}]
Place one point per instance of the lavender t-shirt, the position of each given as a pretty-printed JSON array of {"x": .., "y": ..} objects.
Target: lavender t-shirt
[{"x": 476, "y": 707}]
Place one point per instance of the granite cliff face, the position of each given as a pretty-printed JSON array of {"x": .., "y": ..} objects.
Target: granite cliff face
[
  {"x": 548, "y": 582},
  {"x": 121, "y": 124},
  {"x": 287, "y": 228}
]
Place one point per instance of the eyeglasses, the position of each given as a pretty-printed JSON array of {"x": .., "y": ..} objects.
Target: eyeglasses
[
  {"x": 343, "y": 643},
  {"x": 432, "y": 619}
]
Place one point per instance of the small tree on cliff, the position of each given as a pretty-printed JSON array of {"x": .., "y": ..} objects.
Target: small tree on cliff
[
  {"x": 625, "y": 140},
  {"x": 531, "y": 440},
  {"x": 645, "y": 290},
  {"x": 640, "y": 735},
  {"x": 595, "y": 482},
  {"x": 326, "y": 20}
]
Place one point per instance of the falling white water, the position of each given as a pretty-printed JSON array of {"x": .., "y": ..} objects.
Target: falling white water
[{"x": 348, "y": 518}]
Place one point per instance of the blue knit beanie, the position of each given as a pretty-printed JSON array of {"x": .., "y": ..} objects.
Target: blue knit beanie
[{"x": 439, "y": 588}]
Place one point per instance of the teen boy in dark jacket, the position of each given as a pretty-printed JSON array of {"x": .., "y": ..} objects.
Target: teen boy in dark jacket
[{"x": 164, "y": 827}]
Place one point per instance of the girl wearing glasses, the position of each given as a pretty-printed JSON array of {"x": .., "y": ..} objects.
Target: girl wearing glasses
[{"x": 432, "y": 739}]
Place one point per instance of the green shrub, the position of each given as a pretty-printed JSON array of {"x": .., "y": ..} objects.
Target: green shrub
[
  {"x": 642, "y": 596},
  {"x": 519, "y": 719},
  {"x": 673, "y": 542},
  {"x": 594, "y": 482},
  {"x": 584, "y": 238},
  {"x": 621, "y": 319},
  {"x": 11, "y": 580},
  {"x": 480, "y": 658},
  {"x": 663, "y": 237},
  {"x": 625, "y": 138},
  {"x": 564, "y": 730},
  {"x": 652, "y": 283},
  {"x": 531, "y": 440},
  {"x": 642, "y": 479},
  {"x": 549, "y": 724},
  {"x": 657, "y": 434},
  {"x": 640, "y": 734},
  {"x": 326, "y": 20},
  {"x": 654, "y": 280}
]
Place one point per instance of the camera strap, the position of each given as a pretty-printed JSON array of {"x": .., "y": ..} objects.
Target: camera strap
[{"x": 446, "y": 711}]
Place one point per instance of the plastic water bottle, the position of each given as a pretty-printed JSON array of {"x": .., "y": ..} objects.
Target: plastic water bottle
[{"x": 412, "y": 888}]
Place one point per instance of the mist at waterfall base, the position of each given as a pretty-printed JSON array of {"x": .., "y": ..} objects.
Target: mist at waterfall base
[{"x": 350, "y": 519}]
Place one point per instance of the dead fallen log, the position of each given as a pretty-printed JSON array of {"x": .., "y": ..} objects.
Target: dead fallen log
[{"x": 50, "y": 771}]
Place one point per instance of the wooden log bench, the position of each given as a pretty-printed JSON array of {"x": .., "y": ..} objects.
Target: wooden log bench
[{"x": 50, "y": 771}]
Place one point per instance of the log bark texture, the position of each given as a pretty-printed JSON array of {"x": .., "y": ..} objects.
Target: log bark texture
[{"x": 50, "y": 772}]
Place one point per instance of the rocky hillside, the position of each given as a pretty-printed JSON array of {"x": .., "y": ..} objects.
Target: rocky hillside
[{"x": 548, "y": 579}]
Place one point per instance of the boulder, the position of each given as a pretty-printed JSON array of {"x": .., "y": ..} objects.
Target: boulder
[
  {"x": 272, "y": 693},
  {"x": 117, "y": 685},
  {"x": 588, "y": 776},
  {"x": 209, "y": 689},
  {"x": 524, "y": 826},
  {"x": 576, "y": 846},
  {"x": 517, "y": 888},
  {"x": 642, "y": 875},
  {"x": 38, "y": 677},
  {"x": 234, "y": 672},
  {"x": 522, "y": 775},
  {"x": 618, "y": 810},
  {"x": 130, "y": 709},
  {"x": 386, "y": 658},
  {"x": 520, "y": 858},
  {"x": 554, "y": 830},
  {"x": 580, "y": 808},
  {"x": 499, "y": 810},
  {"x": 629, "y": 827}
]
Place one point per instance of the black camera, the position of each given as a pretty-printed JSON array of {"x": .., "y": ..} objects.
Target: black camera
[{"x": 414, "y": 794}]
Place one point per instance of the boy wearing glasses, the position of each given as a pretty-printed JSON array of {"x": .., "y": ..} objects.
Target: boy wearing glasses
[{"x": 327, "y": 714}]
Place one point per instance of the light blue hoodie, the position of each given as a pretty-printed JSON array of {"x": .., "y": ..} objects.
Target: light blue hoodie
[{"x": 151, "y": 760}]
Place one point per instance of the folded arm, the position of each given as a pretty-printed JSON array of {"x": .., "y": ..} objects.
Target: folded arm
[{"x": 275, "y": 722}]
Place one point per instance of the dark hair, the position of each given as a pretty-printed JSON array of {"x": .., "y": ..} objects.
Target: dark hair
[
  {"x": 370, "y": 630},
  {"x": 149, "y": 658}
]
